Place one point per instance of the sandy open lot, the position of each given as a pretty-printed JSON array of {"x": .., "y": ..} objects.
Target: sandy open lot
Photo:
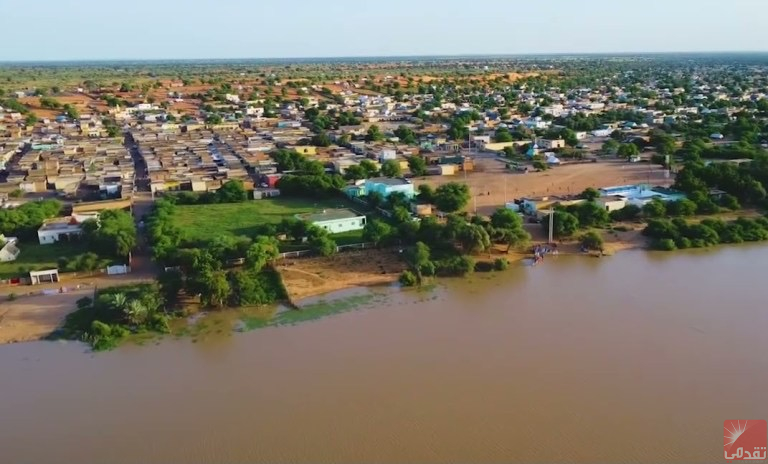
[
  {"x": 33, "y": 318},
  {"x": 33, "y": 315},
  {"x": 314, "y": 276},
  {"x": 490, "y": 180}
]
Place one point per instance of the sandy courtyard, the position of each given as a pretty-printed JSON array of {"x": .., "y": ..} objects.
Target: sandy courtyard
[{"x": 491, "y": 177}]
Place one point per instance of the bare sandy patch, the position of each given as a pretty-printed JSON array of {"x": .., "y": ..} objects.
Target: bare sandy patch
[
  {"x": 314, "y": 276},
  {"x": 35, "y": 317}
]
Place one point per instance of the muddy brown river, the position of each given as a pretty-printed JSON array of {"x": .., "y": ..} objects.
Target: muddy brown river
[{"x": 635, "y": 358}]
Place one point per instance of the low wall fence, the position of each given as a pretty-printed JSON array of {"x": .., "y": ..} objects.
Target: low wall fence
[
  {"x": 339, "y": 249},
  {"x": 67, "y": 276}
]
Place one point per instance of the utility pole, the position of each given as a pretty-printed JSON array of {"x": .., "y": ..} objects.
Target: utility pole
[{"x": 551, "y": 225}]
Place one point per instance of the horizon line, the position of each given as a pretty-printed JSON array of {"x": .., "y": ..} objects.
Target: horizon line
[{"x": 380, "y": 57}]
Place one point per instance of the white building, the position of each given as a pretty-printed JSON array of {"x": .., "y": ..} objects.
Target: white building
[
  {"x": 387, "y": 154},
  {"x": 58, "y": 229},
  {"x": 8, "y": 249},
  {"x": 336, "y": 221}
]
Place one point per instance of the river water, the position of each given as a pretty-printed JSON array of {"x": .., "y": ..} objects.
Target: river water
[{"x": 635, "y": 358}]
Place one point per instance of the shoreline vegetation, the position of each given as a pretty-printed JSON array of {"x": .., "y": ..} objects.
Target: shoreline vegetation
[
  {"x": 204, "y": 273},
  {"x": 202, "y": 276},
  {"x": 320, "y": 136}
]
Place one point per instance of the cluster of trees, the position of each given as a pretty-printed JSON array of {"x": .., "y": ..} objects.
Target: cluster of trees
[
  {"x": 113, "y": 130},
  {"x": 324, "y": 121},
  {"x": 374, "y": 134},
  {"x": 568, "y": 220},
  {"x": 164, "y": 235},
  {"x": 417, "y": 166},
  {"x": 391, "y": 168},
  {"x": 406, "y": 135},
  {"x": 50, "y": 103},
  {"x": 232, "y": 191},
  {"x": 11, "y": 104},
  {"x": 459, "y": 125},
  {"x": 313, "y": 185},
  {"x": 208, "y": 273},
  {"x": 14, "y": 105},
  {"x": 112, "y": 101},
  {"x": 453, "y": 242},
  {"x": 685, "y": 207},
  {"x": 306, "y": 177},
  {"x": 365, "y": 170},
  {"x": 86, "y": 262},
  {"x": 746, "y": 183},
  {"x": 113, "y": 234},
  {"x": 450, "y": 197},
  {"x": 455, "y": 237},
  {"x": 225, "y": 271},
  {"x": 71, "y": 111},
  {"x": 23, "y": 222},
  {"x": 582, "y": 122},
  {"x": 677, "y": 233},
  {"x": 422, "y": 266},
  {"x": 293, "y": 161},
  {"x": 114, "y": 314}
]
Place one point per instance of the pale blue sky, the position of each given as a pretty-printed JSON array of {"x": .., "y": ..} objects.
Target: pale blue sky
[{"x": 167, "y": 29}]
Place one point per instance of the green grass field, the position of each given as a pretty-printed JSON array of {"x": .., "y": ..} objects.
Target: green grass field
[
  {"x": 203, "y": 222},
  {"x": 35, "y": 257}
]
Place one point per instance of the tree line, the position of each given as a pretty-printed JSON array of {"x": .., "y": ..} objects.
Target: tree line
[
  {"x": 24, "y": 221},
  {"x": 233, "y": 191},
  {"x": 677, "y": 233}
]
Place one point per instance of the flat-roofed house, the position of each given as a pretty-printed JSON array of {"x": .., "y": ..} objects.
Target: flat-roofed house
[
  {"x": 336, "y": 221},
  {"x": 386, "y": 185},
  {"x": 57, "y": 229}
]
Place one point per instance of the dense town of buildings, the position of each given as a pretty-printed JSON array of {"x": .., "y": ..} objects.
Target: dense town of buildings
[{"x": 93, "y": 143}]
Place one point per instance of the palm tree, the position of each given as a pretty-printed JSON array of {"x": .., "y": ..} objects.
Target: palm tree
[
  {"x": 136, "y": 312},
  {"x": 119, "y": 301}
]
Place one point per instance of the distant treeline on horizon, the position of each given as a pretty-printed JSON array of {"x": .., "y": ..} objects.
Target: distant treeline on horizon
[{"x": 698, "y": 56}]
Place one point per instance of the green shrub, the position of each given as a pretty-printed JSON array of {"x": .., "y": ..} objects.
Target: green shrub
[
  {"x": 592, "y": 241},
  {"x": 427, "y": 269},
  {"x": 501, "y": 264},
  {"x": 627, "y": 213},
  {"x": 457, "y": 266},
  {"x": 408, "y": 279},
  {"x": 483, "y": 266},
  {"x": 664, "y": 244}
]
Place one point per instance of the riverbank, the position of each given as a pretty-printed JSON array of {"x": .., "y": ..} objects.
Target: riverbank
[
  {"x": 31, "y": 313},
  {"x": 305, "y": 278},
  {"x": 31, "y": 318}
]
